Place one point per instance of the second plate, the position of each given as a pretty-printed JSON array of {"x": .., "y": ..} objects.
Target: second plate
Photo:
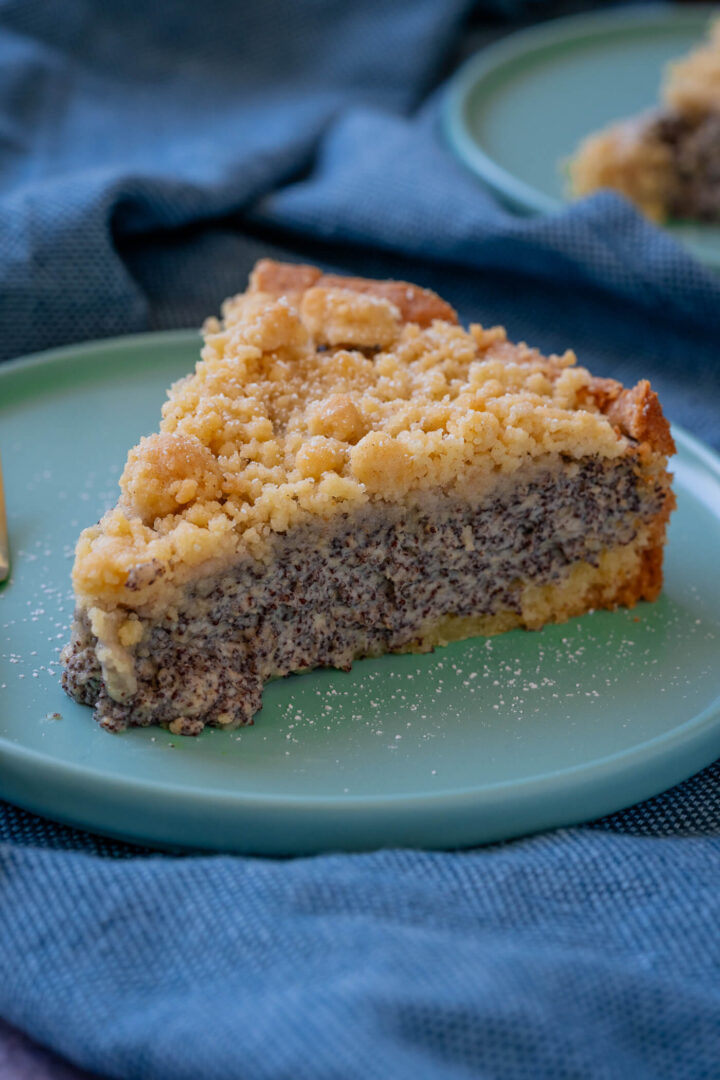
[{"x": 517, "y": 111}]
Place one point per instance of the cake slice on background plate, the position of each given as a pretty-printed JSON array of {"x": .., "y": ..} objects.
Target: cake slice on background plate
[
  {"x": 347, "y": 473},
  {"x": 667, "y": 161}
]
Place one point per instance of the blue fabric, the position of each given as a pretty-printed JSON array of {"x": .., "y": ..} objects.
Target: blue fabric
[
  {"x": 149, "y": 154},
  {"x": 563, "y": 956}
]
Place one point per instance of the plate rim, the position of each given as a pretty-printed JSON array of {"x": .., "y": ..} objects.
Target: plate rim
[
  {"x": 691, "y": 734},
  {"x": 117, "y": 341},
  {"x": 489, "y": 60}
]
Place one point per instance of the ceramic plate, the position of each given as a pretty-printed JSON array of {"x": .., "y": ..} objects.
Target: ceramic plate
[
  {"x": 517, "y": 110},
  {"x": 482, "y": 740}
]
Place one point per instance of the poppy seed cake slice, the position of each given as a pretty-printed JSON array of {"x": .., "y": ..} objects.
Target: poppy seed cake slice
[{"x": 350, "y": 472}]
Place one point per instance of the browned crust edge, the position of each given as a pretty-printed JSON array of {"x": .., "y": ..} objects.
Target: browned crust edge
[
  {"x": 415, "y": 304},
  {"x": 635, "y": 412},
  {"x": 648, "y": 583}
]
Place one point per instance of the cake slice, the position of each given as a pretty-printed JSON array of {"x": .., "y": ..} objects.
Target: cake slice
[
  {"x": 349, "y": 472},
  {"x": 666, "y": 161}
]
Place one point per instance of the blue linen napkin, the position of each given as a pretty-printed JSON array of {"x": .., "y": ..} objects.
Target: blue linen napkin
[{"x": 148, "y": 155}]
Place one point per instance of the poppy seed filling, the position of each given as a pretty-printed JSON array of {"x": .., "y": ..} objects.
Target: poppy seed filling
[{"x": 368, "y": 583}]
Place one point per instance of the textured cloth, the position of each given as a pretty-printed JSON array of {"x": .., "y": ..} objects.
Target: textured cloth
[
  {"x": 561, "y": 956},
  {"x": 150, "y": 153}
]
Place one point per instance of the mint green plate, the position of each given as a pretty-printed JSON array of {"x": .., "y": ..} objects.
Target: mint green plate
[
  {"x": 482, "y": 740},
  {"x": 516, "y": 111}
]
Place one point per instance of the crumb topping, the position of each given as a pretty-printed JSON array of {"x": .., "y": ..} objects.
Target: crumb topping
[{"x": 315, "y": 406}]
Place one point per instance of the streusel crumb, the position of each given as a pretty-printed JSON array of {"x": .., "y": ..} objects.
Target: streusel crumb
[{"x": 315, "y": 406}]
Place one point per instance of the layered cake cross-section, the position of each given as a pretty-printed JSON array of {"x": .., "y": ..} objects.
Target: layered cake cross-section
[
  {"x": 666, "y": 161},
  {"x": 349, "y": 472}
]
